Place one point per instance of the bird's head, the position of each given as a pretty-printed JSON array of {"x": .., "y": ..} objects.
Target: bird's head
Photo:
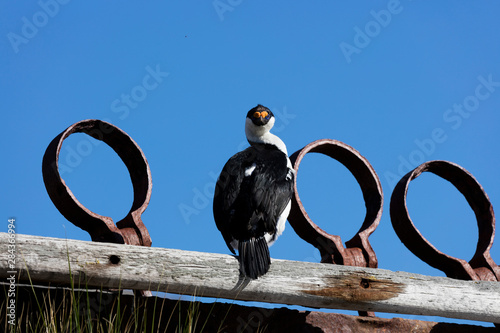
[{"x": 259, "y": 121}]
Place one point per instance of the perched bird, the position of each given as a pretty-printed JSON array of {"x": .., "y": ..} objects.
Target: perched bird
[{"x": 253, "y": 194}]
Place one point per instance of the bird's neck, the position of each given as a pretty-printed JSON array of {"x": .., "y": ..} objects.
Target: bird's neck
[{"x": 266, "y": 138}]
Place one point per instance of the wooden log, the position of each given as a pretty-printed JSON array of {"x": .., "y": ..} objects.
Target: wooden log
[
  {"x": 160, "y": 314},
  {"x": 316, "y": 285}
]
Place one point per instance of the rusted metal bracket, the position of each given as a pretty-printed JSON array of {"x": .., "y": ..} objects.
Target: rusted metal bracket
[
  {"x": 481, "y": 266},
  {"x": 358, "y": 251},
  {"x": 131, "y": 229}
]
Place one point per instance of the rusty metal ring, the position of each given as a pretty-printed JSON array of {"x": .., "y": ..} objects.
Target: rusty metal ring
[
  {"x": 481, "y": 266},
  {"x": 130, "y": 230},
  {"x": 359, "y": 251}
]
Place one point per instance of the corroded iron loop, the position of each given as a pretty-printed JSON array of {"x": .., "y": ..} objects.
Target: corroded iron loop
[
  {"x": 359, "y": 251},
  {"x": 481, "y": 266},
  {"x": 130, "y": 230}
]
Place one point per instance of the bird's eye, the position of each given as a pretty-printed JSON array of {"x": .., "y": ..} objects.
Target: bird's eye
[{"x": 256, "y": 114}]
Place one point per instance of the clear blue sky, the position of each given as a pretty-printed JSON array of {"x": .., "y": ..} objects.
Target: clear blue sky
[{"x": 381, "y": 76}]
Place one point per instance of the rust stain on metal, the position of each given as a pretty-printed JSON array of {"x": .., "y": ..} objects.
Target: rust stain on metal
[
  {"x": 481, "y": 266},
  {"x": 358, "y": 251},
  {"x": 358, "y": 289},
  {"x": 131, "y": 229}
]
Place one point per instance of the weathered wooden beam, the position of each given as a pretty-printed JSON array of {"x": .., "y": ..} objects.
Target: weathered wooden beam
[
  {"x": 171, "y": 315},
  {"x": 216, "y": 275}
]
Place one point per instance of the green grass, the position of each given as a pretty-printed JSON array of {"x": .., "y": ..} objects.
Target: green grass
[{"x": 76, "y": 310}]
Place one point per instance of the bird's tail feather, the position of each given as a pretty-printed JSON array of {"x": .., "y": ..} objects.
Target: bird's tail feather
[{"x": 254, "y": 257}]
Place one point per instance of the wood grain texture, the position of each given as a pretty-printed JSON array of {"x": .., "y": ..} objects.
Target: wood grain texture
[{"x": 315, "y": 285}]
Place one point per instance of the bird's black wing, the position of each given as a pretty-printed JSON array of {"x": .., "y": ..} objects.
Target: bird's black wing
[
  {"x": 249, "y": 206},
  {"x": 227, "y": 190},
  {"x": 272, "y": 187}
]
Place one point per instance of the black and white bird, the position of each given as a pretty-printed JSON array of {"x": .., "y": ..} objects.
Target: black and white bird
[{"x": 253, "y": 194}]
